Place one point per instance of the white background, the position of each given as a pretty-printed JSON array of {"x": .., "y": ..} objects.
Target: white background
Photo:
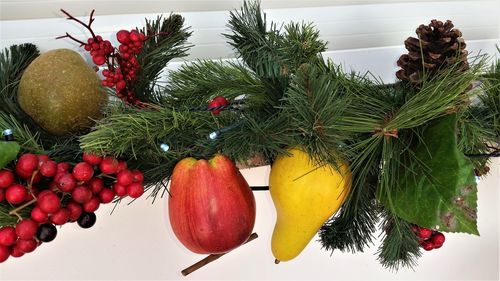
[{"x": 136, "y": 241}]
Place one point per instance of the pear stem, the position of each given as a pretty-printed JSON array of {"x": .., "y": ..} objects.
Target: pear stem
[
  {"x": 211, "y": 258},
  {"x": 277, "y": 261}
]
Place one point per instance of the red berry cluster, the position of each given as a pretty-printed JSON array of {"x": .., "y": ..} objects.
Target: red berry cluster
[
  {"x": 122, "y": 64},
  {"x": 216, "y": 104},
  {"x": 99, "y": 49},
  {"x": 59, "y": 193},
  {"x": 428, "y": 239}
]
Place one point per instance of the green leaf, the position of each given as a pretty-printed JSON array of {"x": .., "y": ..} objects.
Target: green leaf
[
  {"x": 8, "y": 152},
  {"x": 439, "y": 190}
]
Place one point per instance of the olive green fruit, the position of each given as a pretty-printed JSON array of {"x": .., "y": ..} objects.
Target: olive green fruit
[{"x": 61, "y": 92}]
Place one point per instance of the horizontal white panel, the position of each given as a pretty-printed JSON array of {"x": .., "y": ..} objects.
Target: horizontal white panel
[
  {"x": 344, "y": 27},
  {"x": 32, "y": 9}
]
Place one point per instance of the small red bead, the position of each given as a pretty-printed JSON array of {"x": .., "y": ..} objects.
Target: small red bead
[
  {"x": 438, "y": 240},
  {"x": 38, "y": 215},
  {"x": 135, "y": 190},
  {"x": 109, "y": 165},
  {"x": 96, "y": 185},
  {"x": 120, "y": 190},
  {"x": 8, "y": 236},
  {"x": 93, "y": 159},
  {"x": 48, "y": 169},
  {"x": 63, "y": 167},
  {"x": 83, "y": 171},
  {"x": 26, "y": 229},
  {"x": 49, "y": 202},
  {"x": 16, "y": 252},
  {"x": 424, "y": 233},
  {"x": 2, "y": 195},
  {"x": 60, "y": 217},
  {"x": 81, "y": 194},
  {"x": 99, "y": 59},
  {"x": 92, "y": 205},
  {"x": 427, "y": 245},
  {"x": 125, "y": 177},
  {"x": 16, "y": 194},
  {"x": 4, "y": 253},
  {"x": 26, "y": 246},
  {"x": 123, "y": 36},
  {"x": 138, "y": 176},
  {"x": 27, "y": 163},
  {"x": 106, "y": 195},
  {"x": 6, "y": 178},
  {"x": 66, "y": 182}
]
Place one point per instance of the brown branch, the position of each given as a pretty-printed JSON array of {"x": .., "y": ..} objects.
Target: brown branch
[
  {"x": 72, "y": 38},
  {"x": 210, "y": 259},
  {"x": 88, "y": 26}
]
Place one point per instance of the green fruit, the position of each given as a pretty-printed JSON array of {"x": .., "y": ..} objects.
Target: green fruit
[{"x": 61, "y": 92}]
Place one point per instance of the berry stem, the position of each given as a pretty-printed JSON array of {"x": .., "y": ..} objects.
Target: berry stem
[
  {"x": 88, "y": 26},
  {"x": 106, "y": 176},
  {"x": 72, "y": 38},
  {"x": 14, "y": 211}
]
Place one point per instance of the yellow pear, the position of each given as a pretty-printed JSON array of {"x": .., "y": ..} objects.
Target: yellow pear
[{"x": 305, "y": 195}]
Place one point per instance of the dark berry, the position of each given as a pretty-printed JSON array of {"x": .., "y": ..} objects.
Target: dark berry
[
  {"x": 87, "y": 220},
  {"x": 46, "y": 232},
  {"x": 8, "y": 236},
  {"x": 16, "y": 194},
  {"x": 83, "y": 171},
  {"x": 26, "y": 229},
  {"x": 6, "y": 178}
]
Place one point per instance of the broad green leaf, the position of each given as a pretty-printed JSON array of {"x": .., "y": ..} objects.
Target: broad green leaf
[
  {"x": 440, "y": 191},
  {"x": 8, "y": 152}
]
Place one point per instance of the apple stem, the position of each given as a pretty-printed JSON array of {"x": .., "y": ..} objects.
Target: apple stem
[{"x": 211, "y": 258}]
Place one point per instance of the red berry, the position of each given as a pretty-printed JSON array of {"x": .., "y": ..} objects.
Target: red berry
[
  {"x": 26, "y": 246},
  {"x": 42, "y": 158},
  {"x": 2, "y": 195},
  {"x": 424, "y": 233},
  {"x": 135, "y": 190},
  {"x": 438, "y": 240},
  {"x": 109, "y": 165},
  {"x": 92, "y": 205},
  {"x": 26, "y": 229},
  {"x": 134, "y": 36},
  {"x": 120, "y": 85},
  {"x": 93, "y": 159},
  {"x": 16, "y": 194},
  {"x": 427, "y": 245},
  {"x": 138, "y": 176},
  {"x": 216, "y": 102},
  {"x": 96, "y": 185},
  {"x": 4, "y": 253},
  {"x": 123, "y": 36},
  {"x": 122, "y": 165},
  {"x": 27, "y": 163},
  {"x": 49, "y": 202},
  {"x": 48, "y": 169},
  {"x": 120, "y": 190},
  {"x": 83, "y": 171},
  {"x": 60, "y": 217},
  {"x": 6, "y": 178},
  {"x": 106, "y": 195},
  {"x": 38, "y": 215},
  {"x": 16, "y": 252},
  {"x": 99, "y": 60},
  {"x": 23, "y": 174},
  {"x": 75, "y": 211},
  {"x": 81, "y": 194},
  {"x": 8, "y": 236},
  {"x": 66, "y": 182},
  {"x": 125, "y": 177},
  {"x": 63, "y": 167}
]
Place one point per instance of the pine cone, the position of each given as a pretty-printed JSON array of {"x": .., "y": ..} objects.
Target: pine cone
[{"x": 438, "y": 45}]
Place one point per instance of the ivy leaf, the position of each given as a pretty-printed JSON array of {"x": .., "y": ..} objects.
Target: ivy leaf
[
  {"x": 440, "y": 191},
  {"x": 8, "y": 152}
]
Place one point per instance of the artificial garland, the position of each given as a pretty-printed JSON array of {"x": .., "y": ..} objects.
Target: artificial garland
[{"x": 400, "y": 156}]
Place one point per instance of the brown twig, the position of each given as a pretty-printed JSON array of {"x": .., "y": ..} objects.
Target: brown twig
[
  {"x": 14, "y": 211},
  {"x": 88, "y": 26},
  {"x": 211, "y": 258}
]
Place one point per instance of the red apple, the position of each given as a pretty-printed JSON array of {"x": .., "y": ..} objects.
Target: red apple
[{"x": 211, "y": 207}]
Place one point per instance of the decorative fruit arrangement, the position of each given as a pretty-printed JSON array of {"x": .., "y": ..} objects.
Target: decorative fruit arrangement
[
  {"x": 61, "y": 92},
  {"x": 211, "y": 207},
  {"x": 305, "y": 195},
  {"x": 44, "y": 193},
  {"x": 428, "y": 239}
]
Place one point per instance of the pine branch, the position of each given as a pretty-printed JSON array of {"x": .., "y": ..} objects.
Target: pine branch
[
  {"x": 166, "y": 40},
  {"x": 27, "y": 140},
  {"x": 400, "y": 246}
]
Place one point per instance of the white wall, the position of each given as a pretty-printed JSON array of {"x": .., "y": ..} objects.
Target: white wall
[{"x": 136, "y": 242}]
